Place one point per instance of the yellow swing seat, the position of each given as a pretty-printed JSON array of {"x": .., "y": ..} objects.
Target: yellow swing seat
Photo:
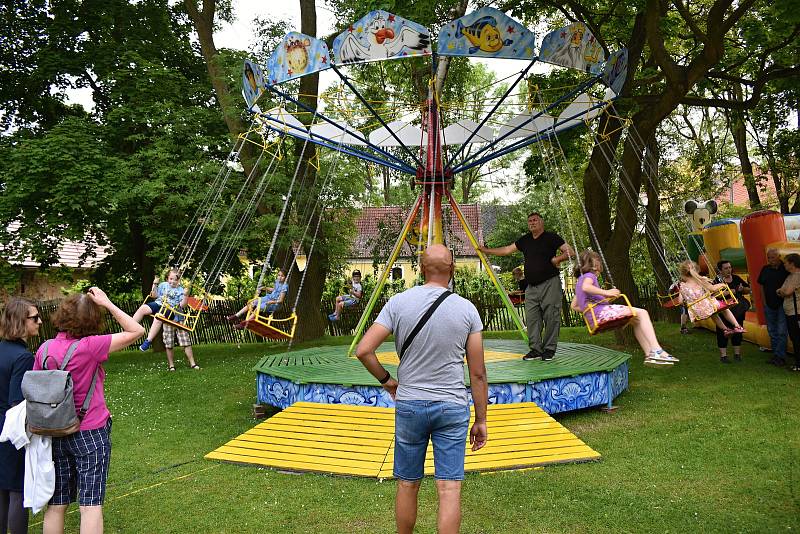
[
  {"x": 191, "y": 315},
  {"x": 725, "y": 299},
  {"x": 270, "y": 327},
  {"x": 672, "y": 299},
  {"x": 597, "y": 325}
]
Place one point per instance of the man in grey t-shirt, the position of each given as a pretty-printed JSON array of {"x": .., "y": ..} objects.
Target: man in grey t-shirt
[{"x": 430, "y": 394}]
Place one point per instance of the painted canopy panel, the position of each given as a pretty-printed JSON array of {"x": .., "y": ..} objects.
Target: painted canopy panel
[
  {"x": 252, "y": 82},
  {"x": 408, "y": 134},
  {"x": 297, "y": 55},
  {"x": 381, "y": 35},
  {"x": 616, "y": 70},
  {"x": 459, "y": 132},
  {"x": 487, "y": 32},
  {"x": 573, "y": 46}
]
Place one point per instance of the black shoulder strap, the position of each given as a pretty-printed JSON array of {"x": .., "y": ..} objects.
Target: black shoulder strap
[
  {"x": 422, "y": 321},
  {"x": 44, "y": 353}
]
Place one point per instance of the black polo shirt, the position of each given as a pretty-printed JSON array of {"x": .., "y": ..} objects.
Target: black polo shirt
[
  {"x": 771, "y": 279},
  {"x": 538, "y": 253}
]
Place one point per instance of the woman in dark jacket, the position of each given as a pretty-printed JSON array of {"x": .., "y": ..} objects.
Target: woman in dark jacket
[{"x": 19, "y": 320}]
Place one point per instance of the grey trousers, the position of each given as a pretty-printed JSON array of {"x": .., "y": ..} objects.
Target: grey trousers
[{"x": 543, "y": 304}]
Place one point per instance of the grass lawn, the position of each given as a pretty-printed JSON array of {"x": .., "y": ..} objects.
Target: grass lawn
[{"x": 700, "y": 447}]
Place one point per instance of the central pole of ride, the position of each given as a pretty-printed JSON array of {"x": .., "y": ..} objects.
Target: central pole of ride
[{"x": 435, "y": 183}]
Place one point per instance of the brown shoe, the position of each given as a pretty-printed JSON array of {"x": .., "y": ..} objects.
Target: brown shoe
[{"x": 233, "y": 319}]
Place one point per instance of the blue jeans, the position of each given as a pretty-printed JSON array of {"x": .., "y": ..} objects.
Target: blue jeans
[
  {"x": 776, "y": 326},
  {"x": 443, "y": 423}
]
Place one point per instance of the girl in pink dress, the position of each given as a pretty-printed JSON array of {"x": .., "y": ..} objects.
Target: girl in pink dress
[
  {"x": 695, "y": 289},
  {"x": 588, "y": 291}
]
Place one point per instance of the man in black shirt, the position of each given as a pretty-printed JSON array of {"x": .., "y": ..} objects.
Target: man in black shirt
[
  {"x": 772, "y": 276},
  {"x": 543, "y": 252}
]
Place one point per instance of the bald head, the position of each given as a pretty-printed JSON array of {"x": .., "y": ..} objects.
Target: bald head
[
  {"x": 437, "y": 264},
  {"x": 773, "y": 257}
]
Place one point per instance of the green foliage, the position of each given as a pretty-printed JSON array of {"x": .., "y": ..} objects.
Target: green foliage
[{"x": 80, "y": 286}]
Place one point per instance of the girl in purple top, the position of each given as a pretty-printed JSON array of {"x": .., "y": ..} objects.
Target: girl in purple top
[
  {"x": 81, "y": 459},
  {"x": 588, "y": 291}
]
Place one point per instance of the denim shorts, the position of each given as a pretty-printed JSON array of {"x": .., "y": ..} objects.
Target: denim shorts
[
  {"x": 81, "y": 464},
  {"x": 348, "y": 301},
  {"x": 443, "y": 423}
]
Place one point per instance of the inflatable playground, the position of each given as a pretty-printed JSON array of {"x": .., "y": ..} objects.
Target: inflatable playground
[{"x": 744, "y": 242}]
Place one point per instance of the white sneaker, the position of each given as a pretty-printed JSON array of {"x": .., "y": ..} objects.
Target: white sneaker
[
  {"x": 650, "y": 362},
  {"x": 662, "y": 355}
]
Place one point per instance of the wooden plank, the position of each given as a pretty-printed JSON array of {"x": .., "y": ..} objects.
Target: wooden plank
[{"x": 334, "y": 439}]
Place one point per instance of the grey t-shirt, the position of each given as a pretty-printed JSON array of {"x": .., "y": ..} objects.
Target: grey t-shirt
[{"x": 433, "y": 365}]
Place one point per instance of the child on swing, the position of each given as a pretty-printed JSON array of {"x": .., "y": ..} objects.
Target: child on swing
[
  {"x": 171, "y": 292},
  {"x": 266, "y": 304},
  {"x": 695, "y": 289},
  {"x": 588, "y": 291}
]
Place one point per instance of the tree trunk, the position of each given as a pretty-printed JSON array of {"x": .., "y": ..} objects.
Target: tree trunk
[
  {"x": 740, "y": 141},
  {"x": 308, "y": 309},
  {"x": 655, "y": 245},
  {"x": 204, "y": 26},
  {"x": 145, "y": 263}
]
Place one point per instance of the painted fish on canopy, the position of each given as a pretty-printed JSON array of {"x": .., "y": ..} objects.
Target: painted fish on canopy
[{"x": 483, "y": 34}]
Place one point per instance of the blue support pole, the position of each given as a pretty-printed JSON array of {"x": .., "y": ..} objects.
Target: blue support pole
[
  {"x": 572, "y": 93},
  {"x": 336, "y": 146},
  {"x": 550, "y": 132},
  {"x": 380, "y": 119},
  {"x": 486, "y": 118},
  {"x": 326, "y": 119}
]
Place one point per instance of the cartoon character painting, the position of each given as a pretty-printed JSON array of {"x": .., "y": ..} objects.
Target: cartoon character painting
[
  {"x": 483, "y": 34},
  {"x": 487, "y": 32},
  {"x": 573, "y": 46},
  {"x": 252, "y": 83},
  {"x": 381, "y": 35},
  {"x": 297, "y": 55}
]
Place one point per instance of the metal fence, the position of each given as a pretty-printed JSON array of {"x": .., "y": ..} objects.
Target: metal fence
[{"x": 214, "y": 328}]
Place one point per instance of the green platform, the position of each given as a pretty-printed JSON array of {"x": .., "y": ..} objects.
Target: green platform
[{"x": 330, "y": 365}]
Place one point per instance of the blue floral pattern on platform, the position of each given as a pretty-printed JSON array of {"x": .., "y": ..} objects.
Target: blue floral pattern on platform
[
  {"x": 354, "y": 395},
  {"x": 553, "y": 396},
  {"x": 276, "y": 391},
  {"x": 571, "y": 393}
]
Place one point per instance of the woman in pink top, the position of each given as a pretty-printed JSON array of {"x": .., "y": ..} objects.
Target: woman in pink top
[
  {"x": 81, "y": 459},
  {"x": 588, "y": 290}
]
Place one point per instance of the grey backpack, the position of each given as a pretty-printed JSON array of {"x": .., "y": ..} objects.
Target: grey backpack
[{"x": 49, "y": 395}]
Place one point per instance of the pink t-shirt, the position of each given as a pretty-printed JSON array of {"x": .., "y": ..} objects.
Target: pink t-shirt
[{"x": 92, "y": 351}]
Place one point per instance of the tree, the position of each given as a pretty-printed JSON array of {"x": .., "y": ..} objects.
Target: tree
[
  {"x": 124, "y": 174},
  {"x": 672, "y": 48}
]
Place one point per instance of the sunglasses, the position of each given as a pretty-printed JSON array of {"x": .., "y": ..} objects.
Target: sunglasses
[{"x": 36, "y": 318}]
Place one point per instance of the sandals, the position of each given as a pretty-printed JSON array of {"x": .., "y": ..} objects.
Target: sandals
[
  {"x": 171, "y": 368},
  {"x": 195, "y": 366}
]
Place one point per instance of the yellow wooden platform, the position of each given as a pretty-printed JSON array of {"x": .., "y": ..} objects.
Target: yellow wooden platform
[{"x": 359, "y": 440}]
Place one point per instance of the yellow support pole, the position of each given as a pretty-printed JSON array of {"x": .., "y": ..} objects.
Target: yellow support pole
[{"x": 500, "y": 289}]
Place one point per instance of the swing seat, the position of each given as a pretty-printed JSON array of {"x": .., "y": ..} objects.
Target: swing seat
[
  {"x": 271, "y": 328},
  {"x": 516, "y": 297},
  {"x": 725, "y": 300},
  {"x": 672, "y": 299},
  {"x": 189, "y": 318},
  {"x": 621, "y": 319}
]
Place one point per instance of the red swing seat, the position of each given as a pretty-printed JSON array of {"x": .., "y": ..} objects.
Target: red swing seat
[
  {"x": 270, "y": 327},
  {"x": 620, "y": 320}
]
